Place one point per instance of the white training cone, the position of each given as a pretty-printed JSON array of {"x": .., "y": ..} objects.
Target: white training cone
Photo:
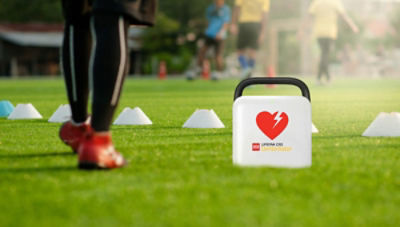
[
  {"x": 132, "y": 117},
  {"x": 25, "y": 111},
  {"x": 204, "y": 119},
  {"x": 62, "y": 114},
  {"x": 314, "y": 129},
  {"x": 385, "y": 125}
]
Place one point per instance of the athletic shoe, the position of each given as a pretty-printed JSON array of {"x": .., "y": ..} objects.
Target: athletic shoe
[
  {"x": 190, "y": 75},
  {"x": 72, "y": 134},
  {"x": 96, "y": 151},
  {"x": 193, "y": 73},
  {"x": 216, "y": 75}
]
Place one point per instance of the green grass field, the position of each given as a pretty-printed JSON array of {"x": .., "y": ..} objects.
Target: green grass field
[{"x": 185, "y": 177}]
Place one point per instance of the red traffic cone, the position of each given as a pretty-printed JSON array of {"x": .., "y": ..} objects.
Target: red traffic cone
[
  {"x": 206, "y": 70},
  {"x": 162, "y": 73},
  {"x": 271, "y": 73}
]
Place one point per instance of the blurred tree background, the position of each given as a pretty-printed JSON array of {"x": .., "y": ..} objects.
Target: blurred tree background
[
  {"x": 13, "y": 11},
  {"x": 180, "y": 24},
  {"x": 175, "y": 19}
]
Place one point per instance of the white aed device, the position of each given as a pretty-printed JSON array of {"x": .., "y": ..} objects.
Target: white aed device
[{"x": 272, "y": 131}]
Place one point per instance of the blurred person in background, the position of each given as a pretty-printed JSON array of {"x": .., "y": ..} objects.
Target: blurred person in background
[
  {"x": 325, "y": 28},
  {"x": 218, "y": 16},
  {"x": 249, "y": 22},
  {"x": 94, "y": 51}
]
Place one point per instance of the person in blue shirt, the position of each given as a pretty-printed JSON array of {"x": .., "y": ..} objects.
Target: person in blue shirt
[{"x": 218, "y": 17}]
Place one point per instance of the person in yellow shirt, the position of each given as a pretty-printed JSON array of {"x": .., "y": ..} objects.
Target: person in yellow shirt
[
  {"x": 248, "y": 21},
  {"x": 325, "y": 15}
]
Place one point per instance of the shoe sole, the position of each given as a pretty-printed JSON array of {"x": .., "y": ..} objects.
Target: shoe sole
[
  {"x": 89, "y": 166},
  {"x": 95, "y": 166}
]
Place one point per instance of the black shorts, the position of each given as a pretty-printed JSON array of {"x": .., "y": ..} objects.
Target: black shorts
[
  {"x": 248, "y": 35},
  {"x": 138, "y": 12},
  {"x": 217, "y": 44}
]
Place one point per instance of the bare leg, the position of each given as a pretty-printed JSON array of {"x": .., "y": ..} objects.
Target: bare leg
[{"x": 202, "y": 55}]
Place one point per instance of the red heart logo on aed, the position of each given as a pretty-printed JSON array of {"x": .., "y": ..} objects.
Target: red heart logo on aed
[{"x": 272, "y": 125}]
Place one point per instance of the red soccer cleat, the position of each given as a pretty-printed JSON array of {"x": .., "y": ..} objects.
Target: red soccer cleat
[
  {"x": 97, "y": 152},
  {"x": 72, "y": 134}
]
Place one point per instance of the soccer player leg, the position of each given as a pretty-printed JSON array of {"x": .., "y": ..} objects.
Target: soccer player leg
[
  {"x": 253, "y": 43},
  {"x": 324, "y": 44},
  {"x": 107, "y": 70},
  {"x": 108, "y": 66},
  {"x": 219, "y": 49},
  {"x": 327, "y": 59},
  {"x": 219, "y": 60},
  {"x": 200, "y": 59},
  {"x": 241, "y": 47},
  {"x": 75, "y": 53},
  {"x": 75, "y": 56}
]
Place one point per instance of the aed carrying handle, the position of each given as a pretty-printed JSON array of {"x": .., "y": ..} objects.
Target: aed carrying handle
[{"x": 275, "y": 80}]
